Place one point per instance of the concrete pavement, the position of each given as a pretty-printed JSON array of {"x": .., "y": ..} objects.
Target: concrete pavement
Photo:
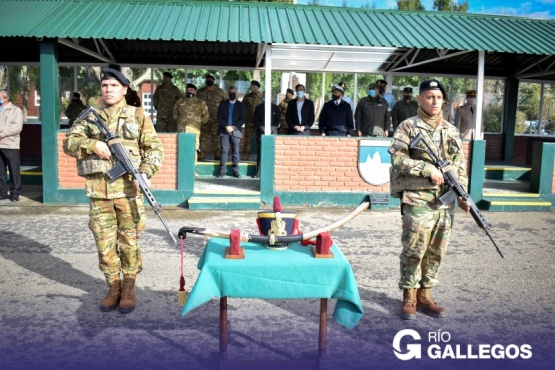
[{"x": 51, "y": 287}]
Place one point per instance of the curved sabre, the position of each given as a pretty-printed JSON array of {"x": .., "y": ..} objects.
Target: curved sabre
[{"x": 271, "y": 240}]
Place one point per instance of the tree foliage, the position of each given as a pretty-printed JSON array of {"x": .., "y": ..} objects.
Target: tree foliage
[
  {"x": 410, "y": 5},
  {"x": 451, "y": 6}
]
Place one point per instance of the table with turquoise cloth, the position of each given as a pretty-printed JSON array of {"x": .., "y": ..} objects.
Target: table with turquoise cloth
[{"x": 292, "y": 273}]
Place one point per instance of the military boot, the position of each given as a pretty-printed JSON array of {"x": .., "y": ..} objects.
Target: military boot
[
  {"x": 111, "y": 301},
  {"x": 408, "y": 310},
  {"x": 425, "y": 302},
  {"x": 127, "y": 303}
]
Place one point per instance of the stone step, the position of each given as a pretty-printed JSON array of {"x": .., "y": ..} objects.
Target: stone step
[
  {"x": 224, "y": 202},
  {"x": 499, "y": 172},
  {"x": 212, "y": 168},
  {"x": 517, "y": 204}
]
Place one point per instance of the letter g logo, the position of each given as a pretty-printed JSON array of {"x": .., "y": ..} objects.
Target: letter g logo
[{"x": 414, "y": 350}]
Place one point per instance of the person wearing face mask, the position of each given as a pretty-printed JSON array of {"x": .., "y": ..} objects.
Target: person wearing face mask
[
  {"x": 191, "y": 113},
  {"x": 11, "y": 124},
  {"x": 212, "y": 95},
  {"x": 300, "y": 113},
  {"x": 164, "y": 100},
  {"x": 289, "y": 95},
  {"x": 389, "y": 98},
  {"x": 403, "y": 109},
  {"x": 372, "y": 116},
  {"x": 251, "y": 100},
  {"x": 231, "y": 117},
  {"x": 336, "y": 118},
  {"x": 464, "y": 118}
]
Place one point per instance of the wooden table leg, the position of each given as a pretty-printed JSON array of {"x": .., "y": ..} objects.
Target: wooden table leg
[
  {"x": 223, "y": 328},
  {"x": 323, "y": 334}
]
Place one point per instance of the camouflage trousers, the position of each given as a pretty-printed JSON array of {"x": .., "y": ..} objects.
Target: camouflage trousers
[
  {"x": 209, "y": 138},
  {"x": 250, "y": 129},
  {"x": 116, "y": 225},
  {"x": 426, "y": 233},
  {"x": 283, "y": 127},
  {"x": 165, "y": 125}
]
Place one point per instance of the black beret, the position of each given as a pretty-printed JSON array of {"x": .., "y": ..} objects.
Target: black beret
[
  {"x": 77, "y": 95},
  {"x": 290, "y": 91},
  {"x": 209, "y": 76},
  {"x": 110, "y": 73},
  {"x": 191, "y": 86},
  {"x": 433, "y": 85},
  {"x": 407, "y": 89},
  {"x": 256, "y": 83},
  {"x": 167, "y": 74},
  {"x": 381, "y": 82}
]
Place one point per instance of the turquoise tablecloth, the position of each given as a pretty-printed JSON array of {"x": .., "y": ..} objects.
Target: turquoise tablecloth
[{"x": 292, "y": 273}]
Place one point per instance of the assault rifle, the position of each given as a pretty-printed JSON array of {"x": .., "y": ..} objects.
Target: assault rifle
[
  {"x": 124, "y": 164},
  {"x": 455, "y": 189}
]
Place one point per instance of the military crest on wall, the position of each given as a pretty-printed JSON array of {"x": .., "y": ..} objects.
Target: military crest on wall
[{"x": 374, "y": 161}]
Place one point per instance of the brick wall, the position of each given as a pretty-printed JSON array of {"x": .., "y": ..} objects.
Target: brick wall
[
  {"x": 494, "y": 147},
  {"x": 165, "y": 179},
  {"x": 315, "y": 164}
]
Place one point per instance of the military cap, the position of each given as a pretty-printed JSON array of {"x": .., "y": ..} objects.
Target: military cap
[
  {"x": 167, "y": 74},
  {"x": 209, "y": 76},
  {"x": 110, "y": 73},
  {"x": 290, "y": 91},
  {"x": 433, "y": 85},
  {"x": 256, "y": 83},
  {"x": 381, "y": 82},
  {"x": 342, "y": 84},
  {"x": 372, "y": 86},
  {"x": 337, "y": 87},
  {"x": 192, "y": 86},
  {"x": 471, "y": 93},
  {"x": 77, "y": 95},
  {"x": 407, "y": 89}
]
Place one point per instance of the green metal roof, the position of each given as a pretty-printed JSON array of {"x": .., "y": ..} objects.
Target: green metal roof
[{"x": 249, "y": 22}]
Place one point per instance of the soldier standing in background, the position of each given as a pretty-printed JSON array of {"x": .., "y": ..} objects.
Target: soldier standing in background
[
  {"x": 464, "y": 118},
  {"x": 74, "y": 108},
  {"x": 283, "y": 128},
  {"x": 117, "y": 214},
  {"x": 190, "y": 113},
  {"x": 212, "y": 95},
  {"x": 165, "y": 97},
  {"x": 251, "y": 101},
  {"x": 427, "y": 222},
  {"x": 403, "y": 109}
]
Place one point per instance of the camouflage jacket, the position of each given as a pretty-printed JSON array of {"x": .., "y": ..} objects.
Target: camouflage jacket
[
  {"x": 212, "y": 98},
  {"x": 139, "y": 138},
  {"x": 73, "y": 110},
  {"x": 411, "y": 169},
  {"x": 283, "y": 108},
  {"x": 190, "y": 112},
  {"x": 252, "y": 100},
  {"x": 165, "y": 97},
  {"x": 401, "y": 111}
]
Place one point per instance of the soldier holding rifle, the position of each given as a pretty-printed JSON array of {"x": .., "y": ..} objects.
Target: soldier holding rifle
[
  {"x": 427, "y": 221},
  {"x": 117, "y": 214}
]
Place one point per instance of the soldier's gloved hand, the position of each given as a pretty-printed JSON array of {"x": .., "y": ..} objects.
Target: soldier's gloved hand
[
  {"x": 464, "y": 205},
  {"x": 436, "y": 177},
  {"x": 101, "y": 149}
]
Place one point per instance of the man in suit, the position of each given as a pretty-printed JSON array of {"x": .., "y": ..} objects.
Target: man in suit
[
  {"x": 259, "y": 116},
  {"x": 231, "y": 117},
  {"x": 336, "y": 118},
  {"x": 300, "y": 113}
]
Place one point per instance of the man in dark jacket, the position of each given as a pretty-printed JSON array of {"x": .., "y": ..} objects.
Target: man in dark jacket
[
  {"x": 336, "y": 118},
  {"x": 259, "y": 115},
  {"x": 231, "y": 117},
  {"x": 300, "y": 113},
  {"x": 372, "y": 117}
]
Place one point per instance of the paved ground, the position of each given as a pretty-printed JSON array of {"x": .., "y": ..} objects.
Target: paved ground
[{"x": 51, "y": 286}]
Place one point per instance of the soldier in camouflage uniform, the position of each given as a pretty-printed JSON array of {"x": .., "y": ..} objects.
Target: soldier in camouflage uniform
[
  {"x": 190, "y": 113},
  {"x": 74, "y": 108},
  {"x": 209, "y": 138},
  {"x": 117, "y": 214},
  {"x": 251, "y": 100},
  {"x": 165, "y": 97},
  {"x": 418, "y": 183},
  {"x": 283, "y": 127}
]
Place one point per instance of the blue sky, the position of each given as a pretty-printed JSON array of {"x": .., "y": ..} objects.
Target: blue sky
[{"x": 533, "y": 8}]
